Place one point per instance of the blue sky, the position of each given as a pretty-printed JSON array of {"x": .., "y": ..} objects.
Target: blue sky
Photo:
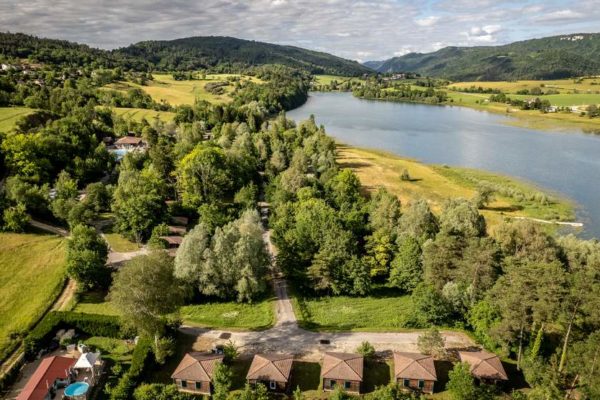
[{"x": 362, "y": 30}]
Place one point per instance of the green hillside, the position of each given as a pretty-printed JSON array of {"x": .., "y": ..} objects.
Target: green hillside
[
  {"x": 554, "y": 57},
  {"x": 202, "y": 52}
]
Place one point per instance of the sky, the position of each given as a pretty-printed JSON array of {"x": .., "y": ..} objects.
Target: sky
[{"x": 361, "y": 30}]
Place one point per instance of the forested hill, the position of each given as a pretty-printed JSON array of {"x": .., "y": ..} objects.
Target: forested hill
[
  {"x": 547, "y": 58},
  {"x": 208, "y": 51},
  {"x": 61, "y": 52}
]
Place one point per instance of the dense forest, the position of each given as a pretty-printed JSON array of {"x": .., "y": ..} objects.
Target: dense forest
[
  {"x": 205, "y": 52},
  {"x": 547, "y": 58},
  {"x": 215, "y": 53}
]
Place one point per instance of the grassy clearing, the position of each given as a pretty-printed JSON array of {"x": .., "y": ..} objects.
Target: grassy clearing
[
  {"x": 32, "y": 272},
  {"x": 95, "y": 303},
  {"x": 437, "y": 184},
  {"x": 256, "y": 316},
  {"x": 113, "y": 349},
  {"x": 137, "y": 114},
  {"x": 344, "y": 313},
  {"x": 164, "y": 87},
  {"x": 10, "y": 115},
  {"x": 119, "y": 243}
]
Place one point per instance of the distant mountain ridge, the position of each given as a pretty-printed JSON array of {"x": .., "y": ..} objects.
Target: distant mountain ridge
[
  {"x": 205, "y": 51},
  {"x": 554, "y": 57},
  {"x": 179, "y": 54}
]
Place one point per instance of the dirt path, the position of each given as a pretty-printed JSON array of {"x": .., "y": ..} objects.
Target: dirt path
[
  {"x": 66, "y": 296},
  {"x": 49, "y": 228},
  {"x": 545, "y": 221}
]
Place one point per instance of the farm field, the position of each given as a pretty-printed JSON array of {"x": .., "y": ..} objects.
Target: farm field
[
  {"x": 164, "y": 87},
  {"x": 10, "y": 115},
  {"x": 327, "y": 79},
  {"x": 436, "y": 184},
  {"x": 32, "y": 271},
  {"x": 137, "y": 114},
  {"x": 574, "y": 93}
]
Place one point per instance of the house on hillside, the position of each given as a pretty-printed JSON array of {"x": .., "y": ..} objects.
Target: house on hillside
[
  {"x": 415, "y": 371},
  {"x": 194, "y": 373},
  {"x": 342, "y": 369},
  {"x": 130, "y": 143},
  {"x": 52, "y": 374},
  {"x": 272, "y": 370},
  {"x": 486, "y": 367}
]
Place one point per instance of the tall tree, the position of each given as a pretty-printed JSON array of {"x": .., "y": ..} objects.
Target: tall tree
[
  {"x": 86, "y": 257},
  {"x": 139, "y": 202},
  {"x": 145, "y": 291}
]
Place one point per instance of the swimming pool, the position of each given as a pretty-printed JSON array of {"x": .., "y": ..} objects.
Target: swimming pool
[{"x": 76, "y": 389}]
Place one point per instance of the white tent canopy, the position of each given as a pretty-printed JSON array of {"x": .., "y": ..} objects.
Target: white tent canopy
[{"x": 87, "y": 361}]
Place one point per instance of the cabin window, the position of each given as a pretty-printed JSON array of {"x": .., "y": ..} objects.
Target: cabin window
[
  {"x": 347, "y": 385},
  {"x": 272, "y": 385},
  {"x": 406, "y": 383},
  {"x": 421, "y": 383},
  {"x": 183, "y": 384},
  {"x": 198, "y": 385},
  {"x": 332, "y": 383}
]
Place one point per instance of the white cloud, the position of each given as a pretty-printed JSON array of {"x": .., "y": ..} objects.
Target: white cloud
[
  {"x": 373, "y": 29},
  {"x": 560, "y": 15},
  {"x": 427, "y": 21}
]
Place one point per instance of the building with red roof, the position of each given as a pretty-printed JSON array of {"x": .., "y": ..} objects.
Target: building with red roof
[{"x": 48, "y": 374}]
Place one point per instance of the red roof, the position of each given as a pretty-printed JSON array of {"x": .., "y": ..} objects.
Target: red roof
[
  {"x": 47, "y": 372},
  {"x": 129, "y": 140}
]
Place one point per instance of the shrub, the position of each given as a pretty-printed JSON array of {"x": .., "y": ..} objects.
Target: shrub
[
  {"x": 432, "y": 343},
  {"x": 139, "y": 362},
  {"x": 366, "y": 349}
]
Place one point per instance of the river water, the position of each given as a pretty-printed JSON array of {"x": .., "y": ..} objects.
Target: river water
[{"x": 567, "y": 163}]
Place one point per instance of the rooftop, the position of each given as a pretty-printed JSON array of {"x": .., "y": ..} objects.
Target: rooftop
[
  {"x": 344, "y": 366},
  {"x": 271, "y": 367}
]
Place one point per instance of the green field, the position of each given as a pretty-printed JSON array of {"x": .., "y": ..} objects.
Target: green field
[
  {"x": 10, "y": 115},
  {"x": 587, "y": 85},
  {"x": 164, "y": 87},
  {"x": 137, "y": 114},
  {"x": 344, "y": 313},
  {"x": 437, "y": 184},
  {"x": 32, "y": 272},
  {"x": 231, "y": 315},
  {"x": 327, "y": 79}
]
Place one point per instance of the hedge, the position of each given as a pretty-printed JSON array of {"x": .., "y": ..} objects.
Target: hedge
[
  {"x": 140, "y": 360},
  {"x": 90, "y": 324}
]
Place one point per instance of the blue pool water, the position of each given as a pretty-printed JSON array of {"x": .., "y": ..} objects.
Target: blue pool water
[{"x": 77, "y": 389}]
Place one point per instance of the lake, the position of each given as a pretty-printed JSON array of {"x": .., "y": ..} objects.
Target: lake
[{"x": 567, "y": 163}]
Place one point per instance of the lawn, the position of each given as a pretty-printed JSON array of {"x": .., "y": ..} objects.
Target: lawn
[
  {"x": 231, "y": 315},
  {"x": 137, "y": 114},
  {"x": 32, "y": 273},
  {"x": 119, "y": 243},
  {"x": 436, "y": 184},
  {"x": 344, "y": 313},
  {"x": 10, "y": 115},
  {"x": 587, "y": 85},
  {"x": 95, "y": 303},
  {"x": 116, "y": 350},
  {"x": 164, "y": 87},
  {"x": 327, "y": 79}
]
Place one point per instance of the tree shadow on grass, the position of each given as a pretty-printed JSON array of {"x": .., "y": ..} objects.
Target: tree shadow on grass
[
  {"x": 376, "y": 373},
  {"x": 306, "y": 375}
]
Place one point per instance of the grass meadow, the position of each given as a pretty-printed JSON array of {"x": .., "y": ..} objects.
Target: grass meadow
[
  {"x": 137, "y": 114},
  {"x": 437, "y": 184},
  {"x": 10, "y": 115},
  {"x": 256, "y": 316},
  {"x": 32, "y": 273}
]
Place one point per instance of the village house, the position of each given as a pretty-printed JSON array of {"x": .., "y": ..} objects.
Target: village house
[
  {"x": 486, "y": 367},
  {"x": 415, "y": 371},
  {"x": 52, "y": 373},
  {"x": 194, "y": 373},
  {"x": 342, "y": 369},
  {"x": 272, "y": 370},
  {"x": 130, "y": 143}
]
